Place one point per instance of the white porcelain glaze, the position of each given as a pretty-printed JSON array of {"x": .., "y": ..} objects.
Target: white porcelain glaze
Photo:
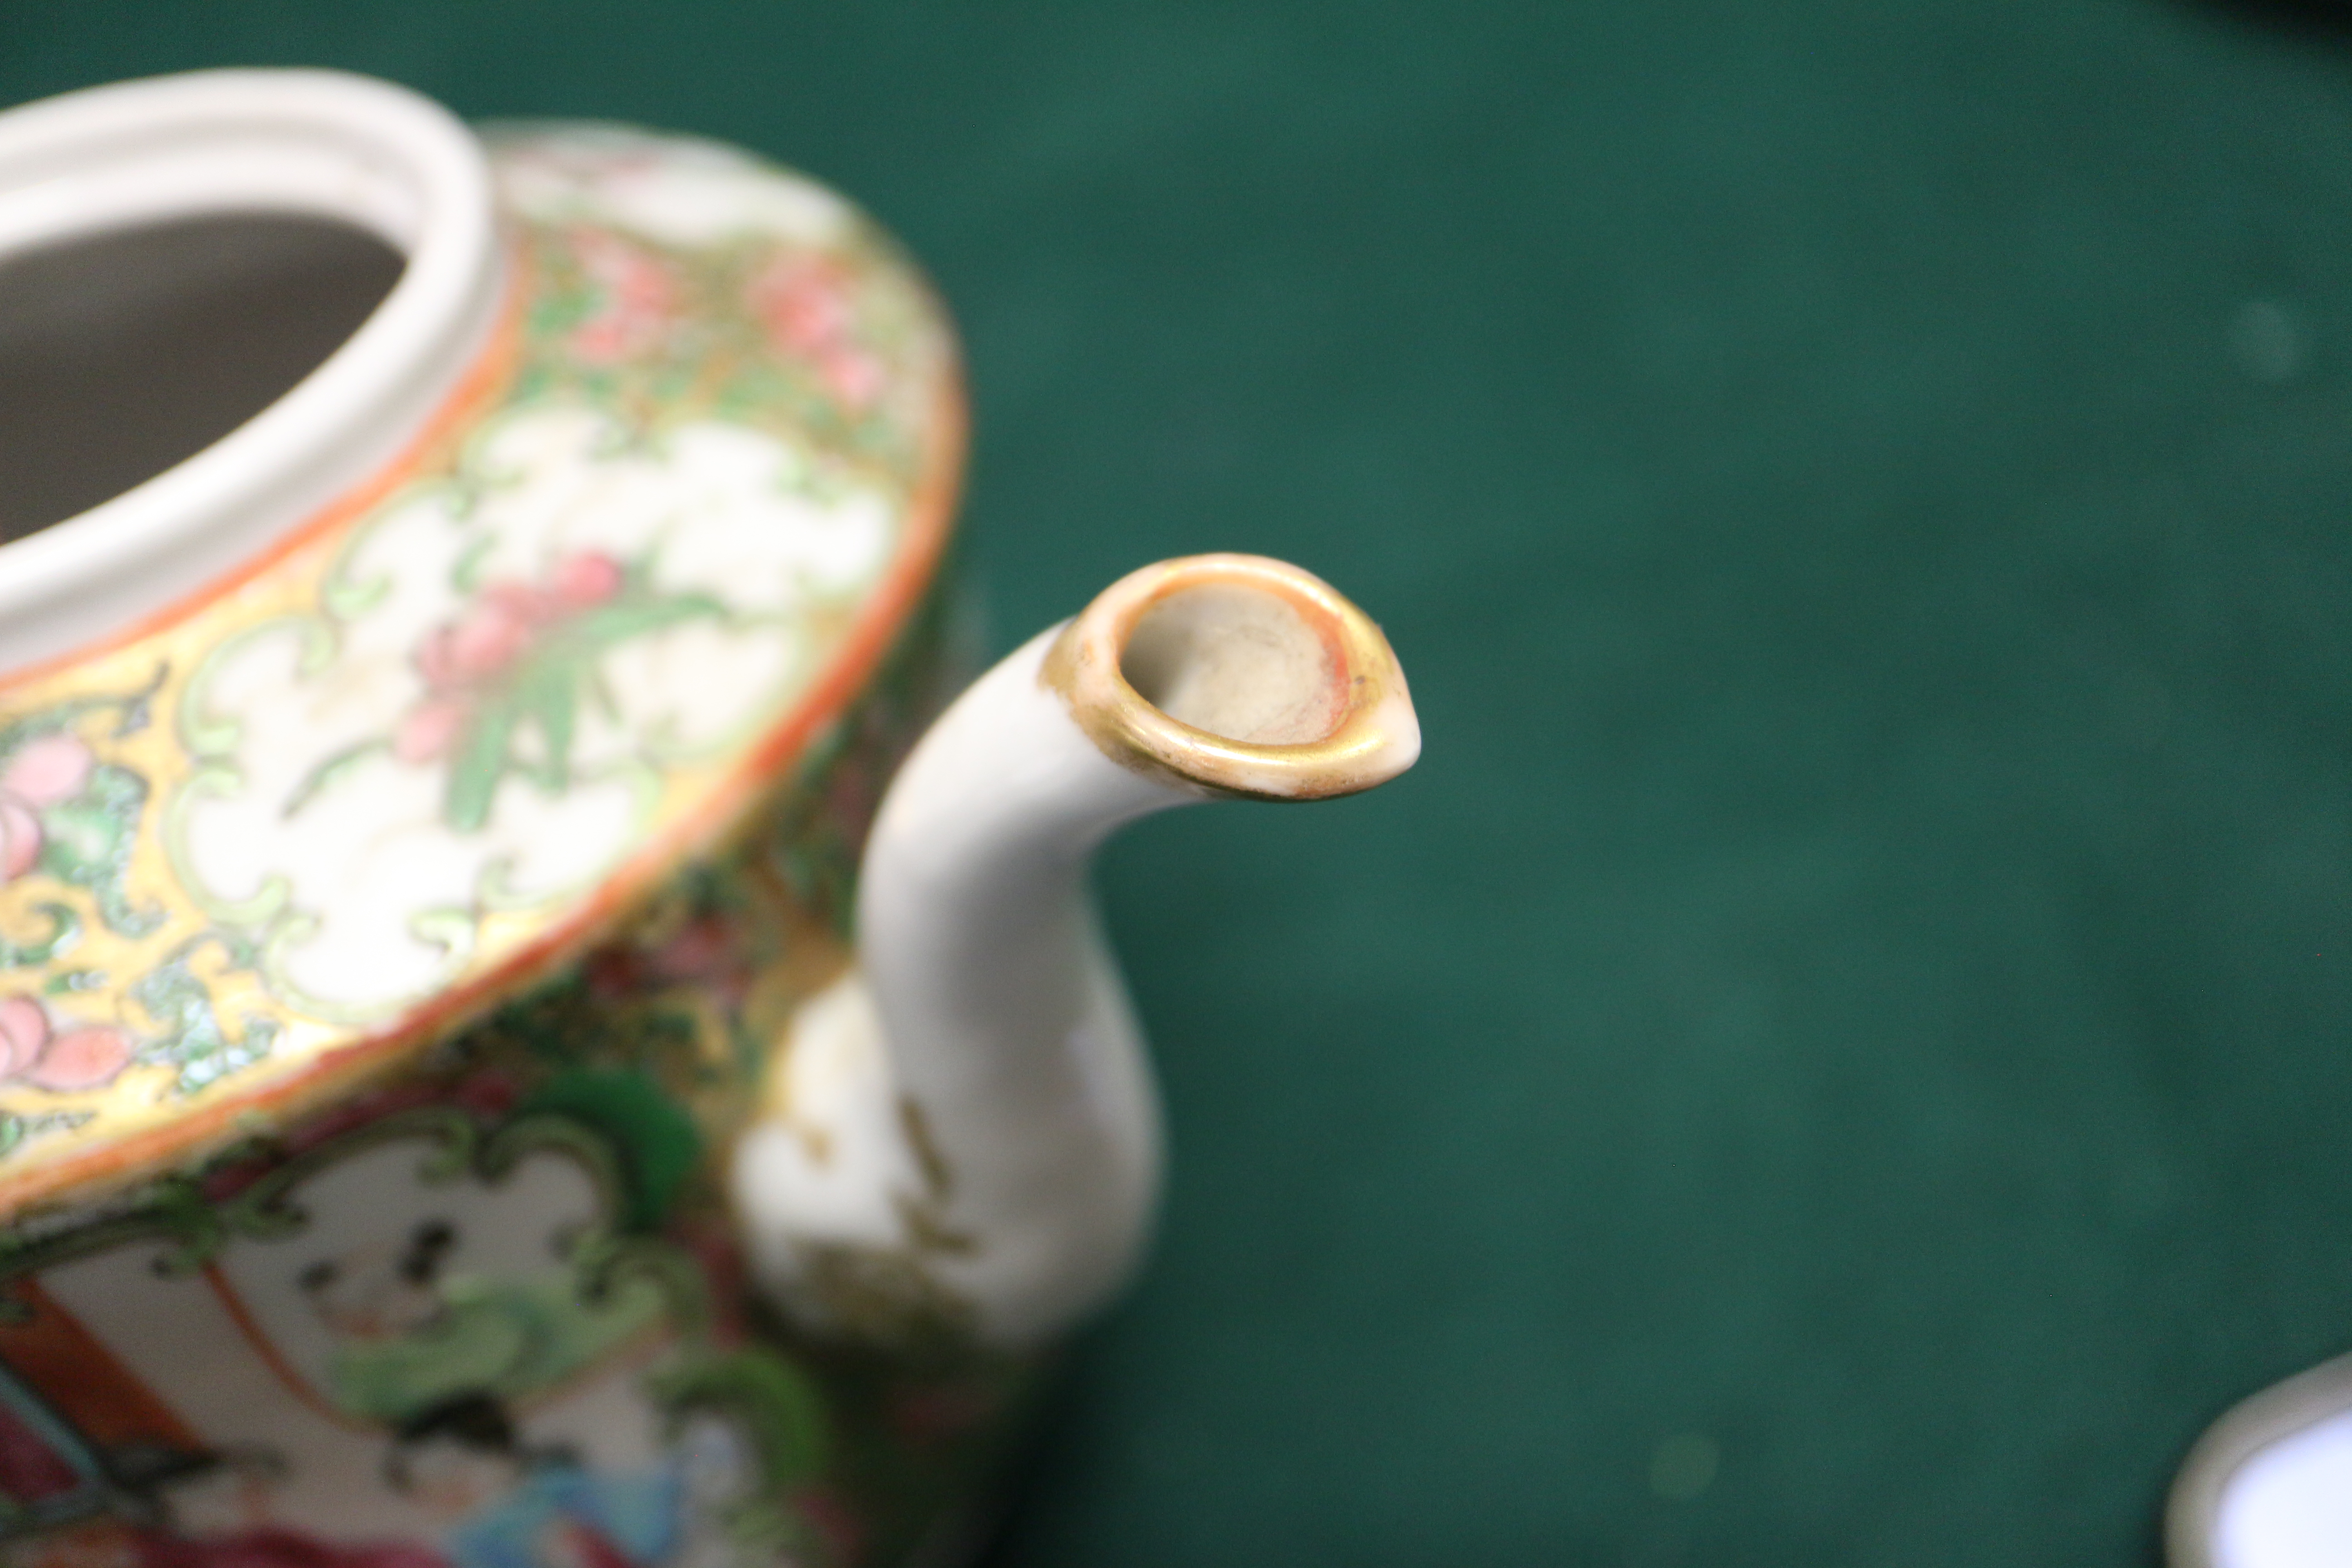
[
  {"x": 976, "y": 1093},
  {"x": 987, "y": 1004}
]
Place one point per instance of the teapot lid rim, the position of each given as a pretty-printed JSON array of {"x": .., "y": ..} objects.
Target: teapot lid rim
[{"x": 321, "y": 143}]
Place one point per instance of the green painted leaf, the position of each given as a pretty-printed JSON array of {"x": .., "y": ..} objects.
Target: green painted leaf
[
  {"x": 80, "y": 838},
  {"x": 543, "y": 692},
  {"x": 479, "y": 763},
  {"x": 657, "y": 1143},
  {"x": 546, "y": 695},
  {"x": 65, "y": 929},
  {"x": 327, "y": 772},
  {"x": 773, "y": 1397},
  {"x": 193, "y": 1038},
  {"x": 633, "y": 615}
]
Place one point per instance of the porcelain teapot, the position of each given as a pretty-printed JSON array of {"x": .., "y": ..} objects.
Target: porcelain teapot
[{"x": 466, "y": 599}]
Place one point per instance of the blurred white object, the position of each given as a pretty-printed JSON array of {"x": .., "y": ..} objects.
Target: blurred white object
[{"x": 2270, "y": 1485}]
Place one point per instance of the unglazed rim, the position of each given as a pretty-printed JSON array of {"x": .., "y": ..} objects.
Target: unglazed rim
[
  {"x": 1375, "y": 737},
  {"x": 2277, "y": 1413},
  {"x": 321, "y": 143}
]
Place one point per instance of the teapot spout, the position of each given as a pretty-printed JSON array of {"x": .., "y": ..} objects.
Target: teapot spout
[{"x": 966, "y": 1134}]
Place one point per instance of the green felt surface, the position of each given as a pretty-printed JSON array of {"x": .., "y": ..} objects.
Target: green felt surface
[{"x": 1858, "y": 989}]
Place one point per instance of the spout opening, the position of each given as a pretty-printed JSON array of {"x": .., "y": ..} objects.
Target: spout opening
[
  {"x": 1237, "y": 675},
  {"x": 1239, "y": 662}
]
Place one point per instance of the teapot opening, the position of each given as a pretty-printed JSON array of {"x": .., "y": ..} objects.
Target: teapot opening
[
  {"x": 227, "y": 299},
  {"x": 123, "y": 353},
  {"x": 1238, "y": 661}
]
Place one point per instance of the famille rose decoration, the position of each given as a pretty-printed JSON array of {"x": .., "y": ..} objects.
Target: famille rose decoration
[{"x": 473, "y": 650}]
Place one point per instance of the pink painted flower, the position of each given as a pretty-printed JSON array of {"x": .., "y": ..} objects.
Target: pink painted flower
[
  {"x": 706, "y": 951},
  {"x": 32, "y": 1051},
  {"x": 635, "y": 299},
  {"x": 460, "y": 658},
  {"x": 807, "y": 305},
  {"x": 41, "y": 773},
  {"x": 853, "y": 376},
  {"x": 429, "y": 730},
  {"x": 491, "y": 635},
  {"x": 582, "y": 582}
]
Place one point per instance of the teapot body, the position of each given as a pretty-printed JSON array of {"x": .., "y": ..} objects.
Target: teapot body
[
  {"x": 471, "y": 1094},
  {"x": 476, "y": 1296},
  {"x": 500, "y": 1292}
]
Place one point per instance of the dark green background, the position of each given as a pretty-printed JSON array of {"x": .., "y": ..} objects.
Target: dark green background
[{"x": 1860, "y": 490}]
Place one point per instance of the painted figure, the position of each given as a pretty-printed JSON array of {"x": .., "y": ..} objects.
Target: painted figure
[
  {"x": 507, "y": 1505},
  {"x": 410, "y": 1336}
]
